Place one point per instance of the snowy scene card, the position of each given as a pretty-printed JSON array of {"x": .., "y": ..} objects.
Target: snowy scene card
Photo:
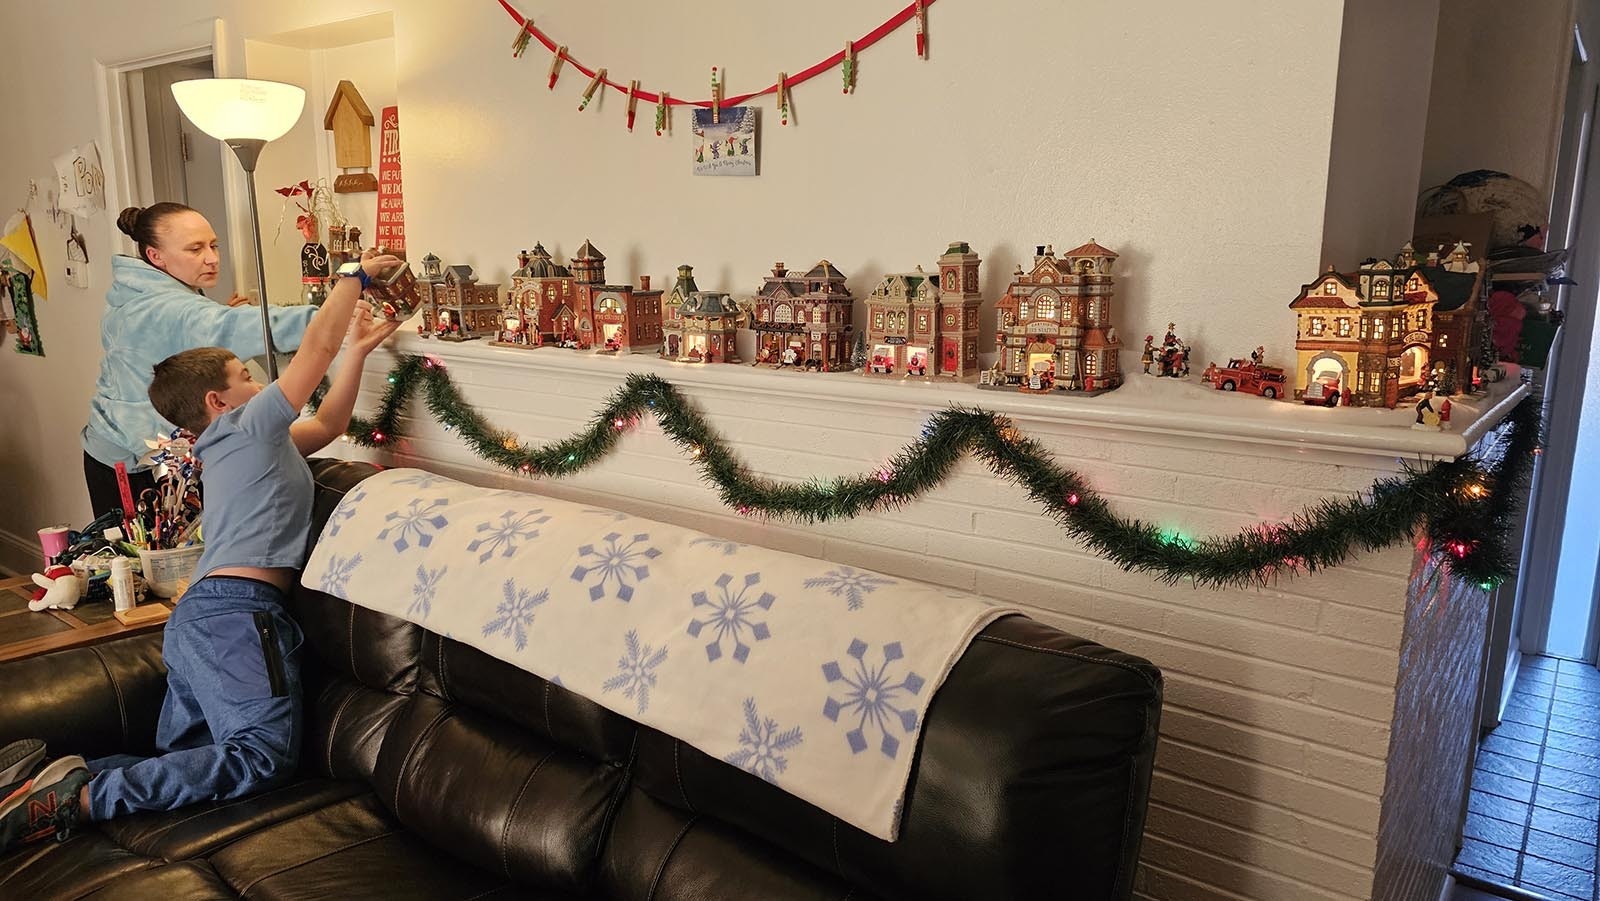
[{"x": 726, "y": 147}]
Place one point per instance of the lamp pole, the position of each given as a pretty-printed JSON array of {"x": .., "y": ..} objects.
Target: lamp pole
[{"x": 248, "y": 150}]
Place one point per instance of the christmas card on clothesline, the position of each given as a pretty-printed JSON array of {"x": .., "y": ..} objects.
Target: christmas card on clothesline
[{"x": 726, "y": 146}]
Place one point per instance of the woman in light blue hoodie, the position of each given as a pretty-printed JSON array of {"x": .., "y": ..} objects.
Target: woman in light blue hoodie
[{"x": 156, "y": 308}]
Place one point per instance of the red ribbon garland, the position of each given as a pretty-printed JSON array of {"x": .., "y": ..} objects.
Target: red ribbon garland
[{"x": 872, "y": 37}]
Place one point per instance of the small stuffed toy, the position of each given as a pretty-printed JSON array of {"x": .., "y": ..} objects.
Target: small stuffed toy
[{"x": 59, "y": 588}]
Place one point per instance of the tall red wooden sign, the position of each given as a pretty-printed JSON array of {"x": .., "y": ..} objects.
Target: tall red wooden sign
[{"x": 391, "y": 205}]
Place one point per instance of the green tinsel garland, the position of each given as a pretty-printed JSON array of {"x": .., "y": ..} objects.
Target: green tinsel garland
[{"x": 1465, "y": 508}]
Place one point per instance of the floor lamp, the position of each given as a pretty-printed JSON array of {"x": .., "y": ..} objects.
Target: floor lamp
[{"x": 245, "y": 114}]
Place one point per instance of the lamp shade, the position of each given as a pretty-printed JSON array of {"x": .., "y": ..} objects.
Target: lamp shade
[{"x": 240, "y": 108}]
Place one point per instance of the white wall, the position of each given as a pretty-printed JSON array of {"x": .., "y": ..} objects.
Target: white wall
[{"x": 1192, "y": 140}]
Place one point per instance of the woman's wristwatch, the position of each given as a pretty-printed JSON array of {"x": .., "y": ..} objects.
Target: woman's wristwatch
[{"x": 354, "y": 268}]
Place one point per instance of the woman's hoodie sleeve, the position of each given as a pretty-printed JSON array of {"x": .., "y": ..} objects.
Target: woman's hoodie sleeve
[{"x": 207, "y": 324}]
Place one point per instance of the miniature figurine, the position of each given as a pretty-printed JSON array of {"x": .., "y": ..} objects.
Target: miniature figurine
[
  {"x": 1245, "y": 375},
  {"x": 1428, "y": 418},
  {"x": 1149, "y": 356}
]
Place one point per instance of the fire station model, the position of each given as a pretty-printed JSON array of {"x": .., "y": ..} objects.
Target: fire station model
[
  {"x": 1054, "y": 328},
  {"x": 573, "y": 306},
  {"x": 923, "y": 327}
]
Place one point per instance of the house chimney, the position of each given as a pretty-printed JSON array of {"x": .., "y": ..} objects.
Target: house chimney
[
  {"x": 644, "y": 283},
  {"x": 1038, "y": 251},
  {"x": 779, "y": 270}
]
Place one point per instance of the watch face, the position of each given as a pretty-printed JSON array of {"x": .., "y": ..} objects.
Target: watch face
[{"x": 349, "y": 268}]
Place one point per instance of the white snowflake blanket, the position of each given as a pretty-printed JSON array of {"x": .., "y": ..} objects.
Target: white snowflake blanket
[{"x": 811, "y": 675}]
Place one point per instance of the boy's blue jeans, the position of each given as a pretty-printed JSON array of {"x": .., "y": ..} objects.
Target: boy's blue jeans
[{"x": 230, "y": 724}]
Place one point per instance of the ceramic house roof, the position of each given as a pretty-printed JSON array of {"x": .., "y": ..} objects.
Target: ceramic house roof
[
  {"x": 824, "y": 269},
  {"x": 460, "y": 273},
  {"x": 710, "y": 304},
  {"x": 1455, "y": 289},
  {"x": 789, "y": 287},
  {"x": 588, "y": 252},
  {"x": 1311, "y": 295},
  {"x": 1091, "y": 249},
  {"x": 685, "y": 285}
]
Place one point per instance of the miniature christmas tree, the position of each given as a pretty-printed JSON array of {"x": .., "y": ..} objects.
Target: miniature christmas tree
[{"x": 858, "y": 356}]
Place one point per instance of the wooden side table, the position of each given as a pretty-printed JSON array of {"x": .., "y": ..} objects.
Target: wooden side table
[{"x": 25, "y": 633}]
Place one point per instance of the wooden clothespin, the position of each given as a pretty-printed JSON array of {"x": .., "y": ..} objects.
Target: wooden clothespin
[
  {"x": 555, "y": 65},
  {"x": 524, "y": 35},
  {"x": 922, "y": 28},
  {"x": 783, "y": 96},
  {"x": 633, "y": 101},
  {"x": 716, "y": 97},
  {"x": 594, "y": 85},
  {"x": 663, "y": 124},
  {"x": 849, "y": 67}
]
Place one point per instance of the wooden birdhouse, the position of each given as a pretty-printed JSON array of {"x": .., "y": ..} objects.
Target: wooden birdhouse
[{"x": 351, "y": 123}]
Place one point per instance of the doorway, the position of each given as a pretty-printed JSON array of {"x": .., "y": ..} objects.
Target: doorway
[{"x": 172, "y": 160}]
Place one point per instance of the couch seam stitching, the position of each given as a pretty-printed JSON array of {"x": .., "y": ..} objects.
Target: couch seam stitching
[
  {"x": 661, "y": 868},
  {"x": 122, "y": 707},
  {"x": 678, "y": 770},
  {"x": 333, "y": 726},
  {"x": 329, "y": 853},
  {"x": 616, "y": 800},
  {"x": 1076, "y": 656},
  {"x": 405, "y": 762},
  {"x": 505, "y": 831},
  {"x": 195, "y": 816}
]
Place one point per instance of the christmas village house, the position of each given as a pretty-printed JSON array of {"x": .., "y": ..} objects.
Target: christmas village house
[
  {"x": 803, "y": 319},
  {"x": 541, "y": 306},
  {"x": 919, "y": 326},
  {"x": 455, "y": 306},
  {"x": 1054, "y": 326},
  {"x": 1391, "y": 329},
  {"x": 672, "y": 313}
]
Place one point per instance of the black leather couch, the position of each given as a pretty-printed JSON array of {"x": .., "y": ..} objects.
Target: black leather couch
[{"x": 431, "y": 770}]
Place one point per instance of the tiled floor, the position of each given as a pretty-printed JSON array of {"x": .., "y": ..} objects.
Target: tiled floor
[{"x": 1534, "y": 815}]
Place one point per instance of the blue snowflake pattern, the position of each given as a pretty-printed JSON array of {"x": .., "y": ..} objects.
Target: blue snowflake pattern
[
  {"x": 516, "y": 613},
  {"x": 849, "y": 584},
  {"x": 616, "y": 562},
  {"x": 730, "y": 616},
  {"x": 636, "y": 673},
  {"x": 345, "y": 510},
  {"x": 419, "y": 520},
  {"x": 337, "y": 578},
  {"x": 422, "y": 480},
  {"x": 422, "y": 593},
  {"x": 728, "y": 548},
  {"x": 872, "y": 697},
  {"x": 761, "y": 745},
  {"x": 504, "y": 535}
]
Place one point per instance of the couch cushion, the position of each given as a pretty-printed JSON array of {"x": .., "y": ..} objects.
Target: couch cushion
[
  {"x": 187, "y": 881},
  {"x": 196, "y": 830},
  {"x": 68, "y": 869},
  {"x": 663, "y": 853},
  {"x": 1034, "y": 762},
  {"x": 349, "y": 850},
  {"x": 502, "y": 798},
  {"x": 97, "y": 700}
]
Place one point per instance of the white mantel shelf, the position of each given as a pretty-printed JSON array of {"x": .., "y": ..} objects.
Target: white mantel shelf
[{"x": 1173, "y": 407}]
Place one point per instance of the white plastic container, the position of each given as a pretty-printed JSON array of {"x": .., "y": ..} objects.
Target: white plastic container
[{"x": 164, "y": 570}]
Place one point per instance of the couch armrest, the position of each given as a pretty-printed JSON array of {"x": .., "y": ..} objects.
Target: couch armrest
[{"x": 96, "y": 700}]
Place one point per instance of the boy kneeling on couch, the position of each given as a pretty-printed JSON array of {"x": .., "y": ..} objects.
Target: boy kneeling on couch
[{"x": 230, "y": 722}]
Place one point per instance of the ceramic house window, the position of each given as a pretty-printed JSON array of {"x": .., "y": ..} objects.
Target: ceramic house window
[
  {"x": 1024, "y": 308},
  {"x": 1329, "y": 288},
  {"x": 1047, "y": 307},
  {"x": 1318, "y": 326},
  {"x": 1344, "y": 326},
  {"x": 783, "y": 313},
  {"x": 877, "y": 319}
]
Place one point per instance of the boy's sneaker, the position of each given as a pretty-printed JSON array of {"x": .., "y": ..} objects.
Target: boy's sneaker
[
  {"x": 45, "y": 805},
  {"x": 18, "y": 760}
]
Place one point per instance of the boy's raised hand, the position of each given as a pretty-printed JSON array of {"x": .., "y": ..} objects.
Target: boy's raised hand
[{"x": 366, "y": 331}]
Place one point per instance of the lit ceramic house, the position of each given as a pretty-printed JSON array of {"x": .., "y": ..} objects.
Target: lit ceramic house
[
  {"x": 902, "y": 313},
  {"x": 614, "y": 318},
  {"x": 540, "y": 307},
  {"x": 432, "y": 273},
  {"x": 956, "y": 341},
  {"x": 1386, "y": 331},
  {"x": 672, "y": 312},
  {"x": 464, "y": 308},
  {"x": 711, "y": 322},
  {"x": 1054, "y": 326},
  {"x": 804, "y": 320}
]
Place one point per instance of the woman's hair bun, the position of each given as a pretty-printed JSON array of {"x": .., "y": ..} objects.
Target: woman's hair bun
[{"x": 128, "y": 221}]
